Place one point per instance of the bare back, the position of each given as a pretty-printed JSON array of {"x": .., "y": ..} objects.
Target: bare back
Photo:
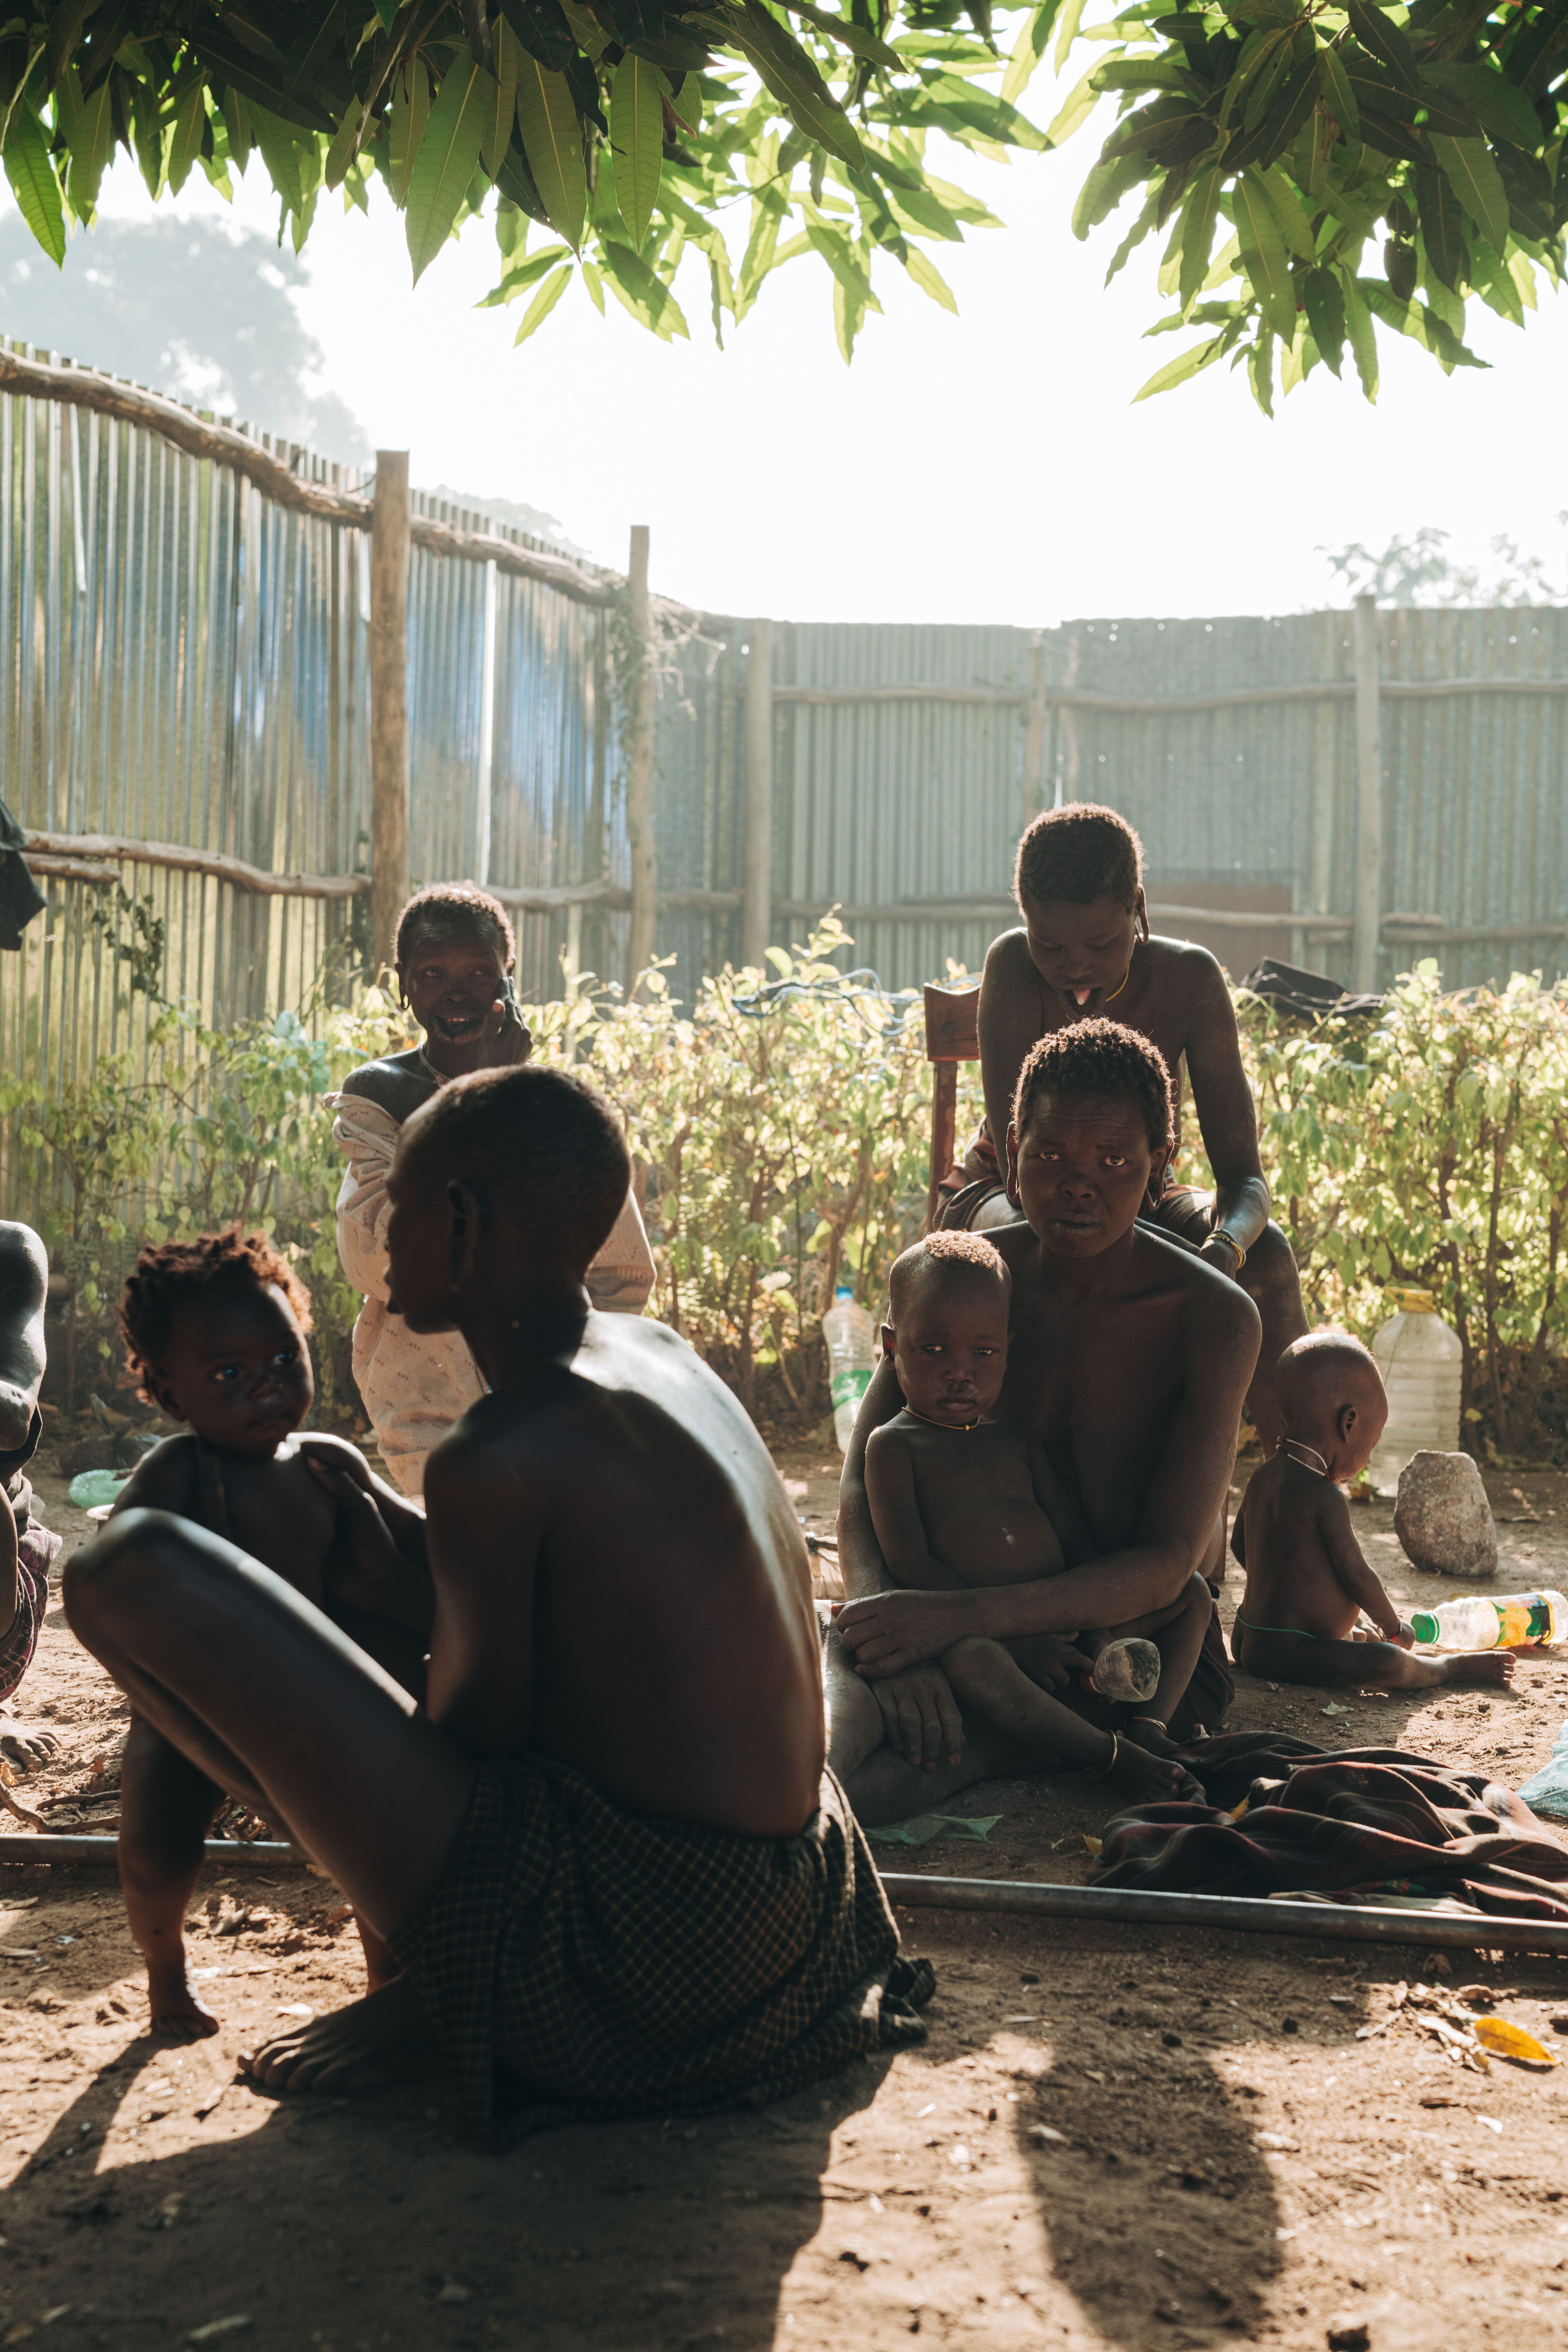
[{"x": 621, "y": 1582}]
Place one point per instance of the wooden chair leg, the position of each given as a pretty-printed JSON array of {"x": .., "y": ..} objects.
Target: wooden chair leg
[{"x": 944, "y": 1129}]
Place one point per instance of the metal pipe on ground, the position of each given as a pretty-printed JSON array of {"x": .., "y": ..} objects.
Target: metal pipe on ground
[
  {"x": 20, "y": 1846},
  {"x": 1129, "y": 1905}
]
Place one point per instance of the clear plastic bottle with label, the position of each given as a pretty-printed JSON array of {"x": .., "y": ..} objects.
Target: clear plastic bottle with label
[
  {"x": 851, "y": 1337},
  {"x": 1421, "y": 1364},
  {"x": 1506, "y": 1621}
]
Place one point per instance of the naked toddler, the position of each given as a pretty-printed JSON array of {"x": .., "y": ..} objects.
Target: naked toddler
[
  {"x": 960, "y": 1500},
  {"x": 1306, "y": 1576},
  {"x": 215, "y": 1330}
]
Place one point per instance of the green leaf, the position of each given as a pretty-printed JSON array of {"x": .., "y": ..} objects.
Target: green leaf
[
  {"x": 186, "y": 145},
  {"x": 89, "y": 134},
  {"x": 340, "y": 153},
  {"x": 545, "y": 301},
  {"x": 410, "y": 113},
  {"x": 1103, "y": 191},
  {"x": 553, "y": 142},
  {"x": 33, "y": 181},
  {"x": 1177, "y": 371},
  {"x": 929, "y": 278},
  {"x": 507, "y": 53},
  {"x": 1293, "y": 215},
  {"x": 1376, "y": 31},
  {"x": 1325, "y": 306},
  {"x": 1028, "y": 49},
  {"x": 1263, "y": 253},
  {"x": 842, "y": 260},
  {"x": 1079, "y": 105},
  {"x": 1477, "y": 182},
  {"x": 1442, "y": 224},
  {"x": 1500, "y": 104},
  {"x": 794, "y": 80},
  {"x": 1072, "y": 17},
  {"x": 522, "y": 273},
  {"x": 1198, "y": 216},
  {"x": 448, "y": 155},
  {"x": 857, "y": 39},
  {"x": 1260, "y": 369},
  {"x": 1338, "y": 96},
  {"x": 387, "y": 11},
  {"x": 638, "y": 290},
  {"x": 688, "y": 103},
  {"x": 636, "y": 141},
  {"x": 236, "y": 122}
]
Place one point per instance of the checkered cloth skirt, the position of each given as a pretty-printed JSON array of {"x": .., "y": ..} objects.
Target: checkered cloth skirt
[{"x": 580, "y": 1962}]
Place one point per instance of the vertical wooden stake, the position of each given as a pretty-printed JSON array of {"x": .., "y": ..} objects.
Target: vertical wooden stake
[
  {"x": 639, "y": 767},
  {"x": 944, "y": 1129},
  {"x": 388, "y": 700},
  {"x": 1369, "y": 801},
  {"x": 1034, "y": 730},
  {"x": 757, "y": 909}
]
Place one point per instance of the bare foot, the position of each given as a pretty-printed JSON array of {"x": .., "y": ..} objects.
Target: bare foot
[
  {"x": 20, "y": 1744},
  {"x": 384, "y": 2038},
  {"x": 178, "y": 2013},
  {"x": 1480, "y": 1667},
  {"x": 1142, "y": 1778},
  {"x": 1149, "y": 1735}
]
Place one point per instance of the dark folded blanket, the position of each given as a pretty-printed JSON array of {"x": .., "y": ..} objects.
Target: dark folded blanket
[
  {"x": 1356, "y": 1822},
  {"x": 580, "y": 1962}
]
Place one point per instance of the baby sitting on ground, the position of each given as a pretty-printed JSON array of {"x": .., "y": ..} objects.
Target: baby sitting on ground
[
  {"x": 214, "y": 1330},
  {"x": 958, "y": 1498},
  {"x": 1306, "y": 1578}
]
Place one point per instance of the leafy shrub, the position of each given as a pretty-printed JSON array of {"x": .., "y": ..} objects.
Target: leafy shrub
[{"x": 1431, "y": 1147}]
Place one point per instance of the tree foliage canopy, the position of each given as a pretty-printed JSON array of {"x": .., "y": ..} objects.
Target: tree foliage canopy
[{"x": 1287, "y": 133}]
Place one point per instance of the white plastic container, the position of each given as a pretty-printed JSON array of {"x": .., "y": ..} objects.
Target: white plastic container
[
  {"x": 1421, "y": 1362},
  {"x": 851, "y": 1337},
  {"x": 1522, "y": 1620}
]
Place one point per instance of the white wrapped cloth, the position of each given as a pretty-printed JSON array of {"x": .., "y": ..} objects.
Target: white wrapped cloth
[{"x": 415, "y": 1385}]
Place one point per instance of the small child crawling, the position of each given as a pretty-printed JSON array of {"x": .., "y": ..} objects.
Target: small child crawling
[
  {"x": 960, "y": 1498},
  {"x": 1306, "y": 1578},
  {"x": 216, "y": 1329}
]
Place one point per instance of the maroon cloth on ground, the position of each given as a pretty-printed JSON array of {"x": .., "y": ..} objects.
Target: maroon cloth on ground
[
  {"x": 36, "y": 1552},
  {"x": 1356, "y": 1822}
]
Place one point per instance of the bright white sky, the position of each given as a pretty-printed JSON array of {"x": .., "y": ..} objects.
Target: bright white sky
[{"x": 987, "y": 468}]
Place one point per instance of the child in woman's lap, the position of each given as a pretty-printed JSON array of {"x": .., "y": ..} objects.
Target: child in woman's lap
[
  {"x": 960, "y": 1500},
  {"x": 216, "y": 1329},
  {"x": 1307, "y": 1579}
]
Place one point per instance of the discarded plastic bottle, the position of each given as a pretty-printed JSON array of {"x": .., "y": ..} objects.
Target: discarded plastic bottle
[
  {"x": 851, "y": 1338},
  {"x": 1422, "y": 1365},
  {"x": 1512, "y": 1620}
]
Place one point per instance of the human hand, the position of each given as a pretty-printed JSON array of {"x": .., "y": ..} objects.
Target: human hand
[
  {"x": 1053, "y": 1660},
  {"x": 890, "y": 1631},
  {"x": 920, "y": 1716},
  {"x": 507, "y": 1039},
  {"x": 1404, "y": 1636},
  {"x": 366, "y": 1570}
]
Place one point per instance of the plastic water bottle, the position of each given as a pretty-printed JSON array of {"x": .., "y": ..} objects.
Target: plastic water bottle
[
  {"x": 851, "y": 1338},
  {"x": 1421, "y": 1364},
  {"x": 1510, "y": 1621}
]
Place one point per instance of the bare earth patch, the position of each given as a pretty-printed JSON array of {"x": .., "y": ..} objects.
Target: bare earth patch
[{"x": 1113, "y": 2138}]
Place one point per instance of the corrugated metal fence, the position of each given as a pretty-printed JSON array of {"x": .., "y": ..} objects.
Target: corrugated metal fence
[{"x": 186, "y": 662}]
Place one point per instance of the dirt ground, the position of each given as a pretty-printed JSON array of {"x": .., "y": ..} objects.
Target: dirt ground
[{"x": 1113, "y": 2139}]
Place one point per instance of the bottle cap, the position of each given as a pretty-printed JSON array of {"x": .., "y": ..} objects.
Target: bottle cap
[
  {"x": 1409, "y": 1301},
  {"x": 1423, "y": 1625},
  {"x": 843, "y": 1291}
]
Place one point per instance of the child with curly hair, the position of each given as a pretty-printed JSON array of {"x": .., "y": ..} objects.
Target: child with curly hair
[{"x": 216, "y": 1329}]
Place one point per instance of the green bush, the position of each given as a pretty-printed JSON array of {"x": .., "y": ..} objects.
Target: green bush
[
  {"x": 784, "y": 1122},
  {"x": 1431, "y": 1147}
]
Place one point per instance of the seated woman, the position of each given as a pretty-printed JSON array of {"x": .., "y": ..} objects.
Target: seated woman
[
  {"x": 455, "y": 955},
  {"x": 1129, "y": 1359},
  {"x": 1084, "y": 950}
]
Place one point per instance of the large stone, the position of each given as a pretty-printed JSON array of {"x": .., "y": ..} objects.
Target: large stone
[{"x": 1443, "y": 1518}]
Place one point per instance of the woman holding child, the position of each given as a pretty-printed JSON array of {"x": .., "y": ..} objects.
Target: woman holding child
[
  {"x": 455, "y": 955},
  {"x": 1128, "y": 1358}
]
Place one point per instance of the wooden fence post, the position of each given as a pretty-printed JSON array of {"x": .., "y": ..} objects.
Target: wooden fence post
[
  {"x": 1038, "y": 714},
  {"x": 757, "y": 914},
  {"x": 639, "y": 767},
  {"x": 1369, "y": 802},
  {"x": 388, "y": 700}
]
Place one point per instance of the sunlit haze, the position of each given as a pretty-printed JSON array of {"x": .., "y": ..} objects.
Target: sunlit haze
[{"x": 987, "y": 468}]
